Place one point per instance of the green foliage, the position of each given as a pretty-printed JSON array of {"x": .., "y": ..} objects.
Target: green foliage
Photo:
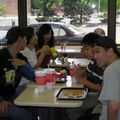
[
  {"x": 73, "y": 7},
  {"x": 118, "y": 6},
  {"x": 103, "y": 5},
  {"x": 77, "y": 7},
  {"x": 2, "y": 9},
  {"x": 36, "y": 4}
]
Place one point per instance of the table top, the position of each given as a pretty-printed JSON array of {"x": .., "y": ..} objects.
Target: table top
[{"x": 31, "y": 97}]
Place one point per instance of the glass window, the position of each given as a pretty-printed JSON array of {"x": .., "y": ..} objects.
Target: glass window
[
  {"x": 56, "y": 31},
  {"x": 8, "y": 17},
  {"x": 62, "y": 32},
  {"x": 85, "y": 16}
]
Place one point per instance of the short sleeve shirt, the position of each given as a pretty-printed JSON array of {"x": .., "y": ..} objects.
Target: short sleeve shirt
[
  {"x": 111, "y": 87},
  {"x": 31, "y": 56}
]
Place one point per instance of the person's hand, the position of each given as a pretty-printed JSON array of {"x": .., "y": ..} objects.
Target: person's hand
[
  {"x": 81, "y": 71},
  {"x": 17, "y": 62},
  {"x": 78, "y": 73},
  {"x": 73, "y": 70},
  {"x": 4, "y": 106},
  {"x": 45, "y": 49}
]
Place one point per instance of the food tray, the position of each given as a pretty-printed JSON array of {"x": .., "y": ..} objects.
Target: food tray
[{"x": 72, "y": 93}]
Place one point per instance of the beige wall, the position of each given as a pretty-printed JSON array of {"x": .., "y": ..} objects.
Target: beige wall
[{"x": 12, "y": 9}]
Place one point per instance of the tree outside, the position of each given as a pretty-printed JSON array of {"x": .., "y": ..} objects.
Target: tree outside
[
  {"x": 2, "y": 9},
  {"x": 86, "y": 14}
]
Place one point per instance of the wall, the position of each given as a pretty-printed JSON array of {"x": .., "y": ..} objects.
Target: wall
[{"x": 12, "y": 9}]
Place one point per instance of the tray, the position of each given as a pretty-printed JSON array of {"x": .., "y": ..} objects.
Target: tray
[{"x": 72, "y": 93}]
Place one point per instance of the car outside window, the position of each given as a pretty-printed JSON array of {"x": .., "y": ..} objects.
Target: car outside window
[
  {"x": 58, "y": 31},
  {"x": 74, "y": 30},
  {"x": 62, "y": 32}
]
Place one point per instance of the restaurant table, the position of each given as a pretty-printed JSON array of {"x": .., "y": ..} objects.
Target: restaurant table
[{"x": 31, "y": 97}]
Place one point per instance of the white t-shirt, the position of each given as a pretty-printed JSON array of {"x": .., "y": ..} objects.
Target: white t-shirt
[
  {"x": 111, "y": 87},
  {"x": 31, "y": 55}
]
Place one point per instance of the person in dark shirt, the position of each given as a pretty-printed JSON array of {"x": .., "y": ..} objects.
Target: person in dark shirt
[
  {"x": 91, "y": 78},
  {"x": 45, "y": 43},
  {"x": 13, "y": 65}
]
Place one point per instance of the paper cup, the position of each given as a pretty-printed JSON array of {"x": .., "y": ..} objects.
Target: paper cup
[
  {"x": 73, "y": 79},
  {"x": 49, "y": 85},
  {"x": 41, "y": 88},
  {"x": 40, "y": 77}
]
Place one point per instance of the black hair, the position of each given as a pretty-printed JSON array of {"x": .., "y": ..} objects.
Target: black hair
[
  {"x": 44, "y": 29},
  {"x": 90, "y": 38},
  {"x": 29, "y": 32},
  {"x": 13, "y": 34},
  {"x": 107, "y": 42}
]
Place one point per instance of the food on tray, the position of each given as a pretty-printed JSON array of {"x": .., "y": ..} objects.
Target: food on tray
[{"x": 78, "y": 93}]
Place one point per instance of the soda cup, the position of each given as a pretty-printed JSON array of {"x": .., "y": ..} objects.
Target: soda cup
[
  {"x": 40, "y": 78},
  {"x": 51, "y": 76}
]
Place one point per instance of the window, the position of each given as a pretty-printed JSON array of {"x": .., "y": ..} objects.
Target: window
[
  {"x": 56, "y": 31},
  {"x": 8, "y": 17},
  {"x": 62, "y": 32},
  {"x": 84, "y": 16}
]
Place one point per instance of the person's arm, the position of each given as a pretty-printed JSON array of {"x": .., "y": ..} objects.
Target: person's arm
[
  {"x": 91, "y": 85},
  {"x": 26, "y": 69},
  {"x": 38, "y": 52},
  {"x": 44, "y": 51},
  {"x": 39, "y": 60},
  {"x": 112, "y": 109},
  {"x": 80, "y": 76},
  {"x": 4, "y": 106},
  {"x": 28, "y": 72}
]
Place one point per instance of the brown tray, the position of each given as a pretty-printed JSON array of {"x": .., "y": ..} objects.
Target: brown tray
[{"x": 72, "y": 93}]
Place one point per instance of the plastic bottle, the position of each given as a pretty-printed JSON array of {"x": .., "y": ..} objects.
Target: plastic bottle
[
  {"x": 63, "y": 60},
  {"x": 72, "y": 76},
  {"x": 64, "y": 46},
  {"x": 66, "y": 60}
]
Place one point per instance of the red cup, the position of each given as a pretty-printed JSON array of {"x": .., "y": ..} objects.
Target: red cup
[
  {"x": 40, "y": 77},
  {"x": 49, "y": 78},
  {"x": 73, "y": 70},
  {"x": 51, "y": 75}
]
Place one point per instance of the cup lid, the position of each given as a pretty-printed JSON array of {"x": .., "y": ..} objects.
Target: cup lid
[
  {"x": 40, "y": 73},
  {"x": 49, "y": 70}
]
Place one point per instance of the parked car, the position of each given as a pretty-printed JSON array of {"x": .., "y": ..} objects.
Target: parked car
[{"x": 64, "y": 33}]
